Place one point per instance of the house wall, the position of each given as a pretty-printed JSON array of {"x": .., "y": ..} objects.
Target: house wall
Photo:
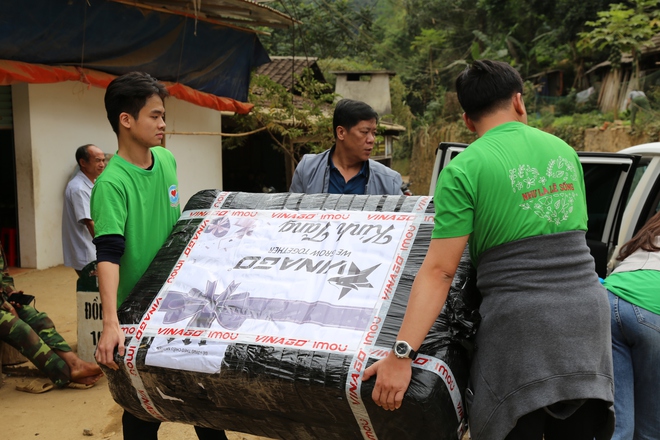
[
  {"x": 52, "y": 120},
  {"x": 375, "y": 92},
  {"x": 199, "y": 158}
]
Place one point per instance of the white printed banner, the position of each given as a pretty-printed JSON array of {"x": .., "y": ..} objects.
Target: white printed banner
[{"x": 309, "y": 280}]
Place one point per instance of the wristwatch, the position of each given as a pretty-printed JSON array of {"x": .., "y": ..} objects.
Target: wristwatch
[{"x": 403, "y": 350}]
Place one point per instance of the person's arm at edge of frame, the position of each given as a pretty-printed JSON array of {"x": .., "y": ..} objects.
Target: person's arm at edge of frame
[
  {"x": 89, "y": 224},
  {"x": 427, "y": 297},
  {"x": 109, "y": 250},
  {"x": 112, "y": 335}
]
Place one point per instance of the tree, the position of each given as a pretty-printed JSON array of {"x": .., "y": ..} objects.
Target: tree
[
  {"x": 622, "y": 29},
  {"x": 293, "y": 120},
  {"x": 329, "y": 29}
]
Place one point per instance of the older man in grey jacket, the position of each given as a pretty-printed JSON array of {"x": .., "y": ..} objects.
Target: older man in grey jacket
[{"x": 346, "y": 168}]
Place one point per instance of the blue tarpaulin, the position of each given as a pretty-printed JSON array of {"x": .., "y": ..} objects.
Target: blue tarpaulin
[{"x": 116, "y": 39}]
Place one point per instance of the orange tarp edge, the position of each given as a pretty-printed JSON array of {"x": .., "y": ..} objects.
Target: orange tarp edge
[{"x": 13, "y": 72}]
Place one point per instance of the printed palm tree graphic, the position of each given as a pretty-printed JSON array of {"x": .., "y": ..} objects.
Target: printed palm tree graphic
[{"x": 230, "y": 309}]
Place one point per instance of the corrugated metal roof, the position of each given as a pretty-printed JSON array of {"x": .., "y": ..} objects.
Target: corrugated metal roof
[{"x": 240, "y": 14}]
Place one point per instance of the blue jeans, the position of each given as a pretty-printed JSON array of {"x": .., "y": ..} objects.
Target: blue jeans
[{"x": 636, "y": 355}]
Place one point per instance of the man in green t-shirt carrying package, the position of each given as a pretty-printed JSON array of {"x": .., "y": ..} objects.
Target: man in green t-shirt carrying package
[
  {"x": 134, "y": 205},
  {"x": 543, "y": 363}
]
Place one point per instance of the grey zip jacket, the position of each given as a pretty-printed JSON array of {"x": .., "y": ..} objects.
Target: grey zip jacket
[{"x": 312, "y": 176}]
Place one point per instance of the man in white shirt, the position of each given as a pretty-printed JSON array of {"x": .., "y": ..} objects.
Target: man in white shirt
[{"x": 77, "y": 223}]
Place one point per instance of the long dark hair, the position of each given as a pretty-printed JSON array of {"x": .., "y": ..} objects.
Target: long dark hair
[{"x": 644, "y": 239}]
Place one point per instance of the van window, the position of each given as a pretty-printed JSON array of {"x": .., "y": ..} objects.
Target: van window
[
  {"x": 600, "y": 182},
  {"x": 639, "y": 171}
]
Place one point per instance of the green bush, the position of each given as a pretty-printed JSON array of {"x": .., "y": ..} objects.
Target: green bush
[
  {"x": 570, "y": 128},
  {"x": 566, "y": 104},
  {"x": 545, "y": 120}
]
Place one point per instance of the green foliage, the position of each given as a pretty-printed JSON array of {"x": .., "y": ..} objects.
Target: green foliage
[
  {"x": 570, "y": 16},
  {"x": 653, "y": 94},
  {"x": 401, "y": 114},
  {"x": 286, "y": 118},
  {"x": 651, "y": 128},
  {"x": 428, "y": 42},
  {"x": 622, "y": 29},
  {"x": 401, "y": 164},
  {"x": 338, "y": 64},
  {"x": 570, "y": 128},
  {"x": 544, "y": 119},
  {"x": 590, "y": 106},
  {"x": 566, "y": 105},
  {"x": 571, "y": 134},
  {"x": 329, "y": 29}
]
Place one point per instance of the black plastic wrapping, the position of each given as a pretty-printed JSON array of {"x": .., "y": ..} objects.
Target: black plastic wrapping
[{"x": 287, "y": 393}]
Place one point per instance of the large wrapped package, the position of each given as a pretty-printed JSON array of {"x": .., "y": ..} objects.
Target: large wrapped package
[{"x": 261, "y": 312}]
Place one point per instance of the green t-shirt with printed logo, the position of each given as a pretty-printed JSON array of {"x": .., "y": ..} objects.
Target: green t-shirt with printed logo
[
  {"x": 512, "y": 183},
  {"x": 141, "y": 205}
]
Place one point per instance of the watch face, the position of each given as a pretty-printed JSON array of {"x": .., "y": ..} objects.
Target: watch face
[{"x": 401, "y": 349}]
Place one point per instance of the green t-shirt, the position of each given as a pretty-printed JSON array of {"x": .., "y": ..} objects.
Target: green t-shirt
[
  {"x": 513, "y": 182},
  {"x": 638, "y": 287},
  {"x": 141, "y": 205}
]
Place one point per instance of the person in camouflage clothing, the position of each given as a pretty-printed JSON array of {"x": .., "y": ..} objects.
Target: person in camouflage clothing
[{"x": 33, "y": 334}]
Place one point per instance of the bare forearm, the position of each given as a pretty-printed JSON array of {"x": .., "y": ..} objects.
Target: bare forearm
[
  {"x": 89, "y": 223},
  {"x": 430, "y": 289},
  {"x": 427, "y": 297},
  {"x": 112, "y": 336}
]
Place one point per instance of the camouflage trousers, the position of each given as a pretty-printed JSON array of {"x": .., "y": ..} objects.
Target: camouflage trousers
[{"x": 35, "y": 337}]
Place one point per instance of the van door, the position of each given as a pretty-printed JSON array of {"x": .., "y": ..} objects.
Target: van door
[
  {"x": 644, "y": 199},
  {"x": 607, "y": 177},
  {"x": 445, "y": 152}
]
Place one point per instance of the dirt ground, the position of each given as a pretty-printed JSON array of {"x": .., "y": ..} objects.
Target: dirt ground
[{"x": 65, "y": 414}]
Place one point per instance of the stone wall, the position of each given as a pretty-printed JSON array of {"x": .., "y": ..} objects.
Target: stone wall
[{"x": 612, "y": 138}]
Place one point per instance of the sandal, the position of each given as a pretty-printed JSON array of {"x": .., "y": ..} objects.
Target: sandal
[
  {"x": 80, "y": 386},
  {"x": 37, "y": 386}
]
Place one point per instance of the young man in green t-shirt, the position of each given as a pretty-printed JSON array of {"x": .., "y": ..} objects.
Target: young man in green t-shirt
[
  {"x": 543, "y": 363},
  {"x": 135, "y": 205}
]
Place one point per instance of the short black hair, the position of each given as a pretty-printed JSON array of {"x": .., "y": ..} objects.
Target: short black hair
[
  {"x": 82, "y": 153},
  {"x": 129, "y": 93},
  {"x": 349, "y": 112},
  {"x": 485, "y": 86}
]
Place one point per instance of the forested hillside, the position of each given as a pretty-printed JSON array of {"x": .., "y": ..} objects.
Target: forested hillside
[{"x": 427, "y": 42}]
